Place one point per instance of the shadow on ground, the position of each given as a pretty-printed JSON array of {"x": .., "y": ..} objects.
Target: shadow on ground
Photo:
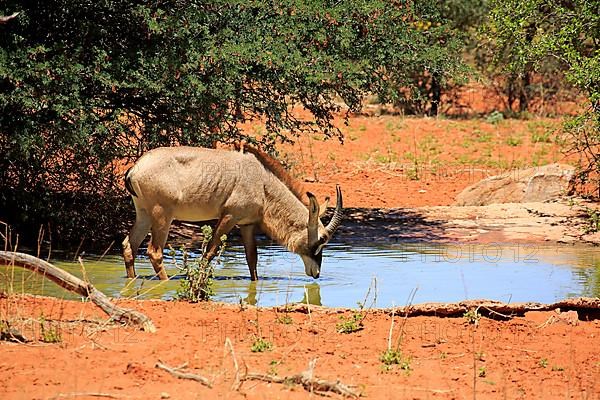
[{"x": 360, "y": 225}]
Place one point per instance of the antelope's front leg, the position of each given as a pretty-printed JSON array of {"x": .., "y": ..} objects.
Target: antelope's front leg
[
  {"x": 249, "y": 241},
  {"x": 156, "y": 258},
  {"x": 224, "y": 226}
]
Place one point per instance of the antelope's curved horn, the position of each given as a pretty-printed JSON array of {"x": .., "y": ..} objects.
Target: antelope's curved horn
[{"x": 336, "y": 220}]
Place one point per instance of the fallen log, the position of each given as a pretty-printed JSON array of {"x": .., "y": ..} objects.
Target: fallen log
[
  {"x": 76, "y": 285},
  {"x": 484, "y": 307},
  {"x": 497, "y": 308}
]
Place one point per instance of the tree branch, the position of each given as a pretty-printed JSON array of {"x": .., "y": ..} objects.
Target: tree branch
[
  {"x": 5, "y": 18},
  {"x": 76, "y": 285}
]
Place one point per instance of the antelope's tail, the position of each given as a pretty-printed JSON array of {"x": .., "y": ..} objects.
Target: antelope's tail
[{"x": 128, "y": 185}]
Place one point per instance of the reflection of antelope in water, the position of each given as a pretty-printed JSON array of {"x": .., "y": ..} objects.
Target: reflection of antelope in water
[{"x": 244, "y": 189}]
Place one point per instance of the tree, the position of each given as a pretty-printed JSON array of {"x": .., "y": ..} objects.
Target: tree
[
  {"x": 87, "y": 86},
  {"x": 449, "y": 31},
  {"x": 566, "y": 32}
]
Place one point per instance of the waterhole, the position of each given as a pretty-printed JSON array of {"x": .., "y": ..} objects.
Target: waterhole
[{"x": 430, "y": 272}]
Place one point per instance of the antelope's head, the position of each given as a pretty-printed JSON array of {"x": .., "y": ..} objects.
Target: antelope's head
[{"x": 318, "y": 234}]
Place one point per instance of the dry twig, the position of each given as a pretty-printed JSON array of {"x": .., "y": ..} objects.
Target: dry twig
[
  {"x": 175, "y": 371},
  {"x": 84, "y": 394},
  {"x": 307, "y": 380}
]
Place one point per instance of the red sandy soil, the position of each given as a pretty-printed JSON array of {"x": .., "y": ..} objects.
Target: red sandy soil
[
  {"x": 376, "y": 163},
  {"x": 539, "y": 356},
  {"x": 448, "y": 358}
]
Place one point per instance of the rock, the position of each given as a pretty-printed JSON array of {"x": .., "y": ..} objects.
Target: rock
[{"x": 537, "y": 184}]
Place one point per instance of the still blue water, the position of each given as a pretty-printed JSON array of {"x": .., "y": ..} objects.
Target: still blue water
[{"x": 438, "y": 273}]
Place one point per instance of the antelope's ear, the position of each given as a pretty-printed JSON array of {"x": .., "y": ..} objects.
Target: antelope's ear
[
  {"x": 323, "y": 207},
  {"x": 313, "y": 219}
]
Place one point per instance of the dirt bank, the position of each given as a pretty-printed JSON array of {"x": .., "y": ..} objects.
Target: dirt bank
[{"x": 539, "y": 355}]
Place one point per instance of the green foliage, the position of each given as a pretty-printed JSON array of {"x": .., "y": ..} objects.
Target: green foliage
[
  {"x": 392, "y": 357},
  {"x": 532, "y": 34},
  {"x": 197, "y": 282},
  {"x": 514, "y": 141},
  {"x": 285, "y": 319},
  {"x": 351, "y": 324},
  {"x": 261, "y": 345},
  {"x": 87, "y": 87},
  {"x": 50, "y": 333},
  {"x": 355, "y": 322},
  {"x": 444, "y": 32},
  {"x": 593, "y": 220},
  {"x": 472, "y": 316},
  {"x": 495, "y": 117}
]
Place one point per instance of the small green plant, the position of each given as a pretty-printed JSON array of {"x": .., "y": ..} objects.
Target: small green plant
[
  {"x": 389, "y": 157},
  {"x": 413, "y": 172},
  {"x": 482, "y": 372},
  {"x": 541, "y": 137},
  {"x": 593, "y": 220},
  {"x": 354, "y": 322},
  {"x": 543, "y": 363},
  {"x": 49, "y": 332},
  {"x": 351, "y": 324},
  {"x": 394, "y": 125},
  {"x": 495, "y": 117},
  {"x": 197, "y": 283},
  {"x": 514, "y": 141},
  {"x": 393, "y": 353},
  {"x": 395, "y": 357},
  {"x": 261, "y": 345},
  {"x": 481, "y": 136},
  {"x": 541, "y": 131},
  {"x": 284, "y": 319},
  {"x": 273, "y": 367},
  {"x": 429, "y": 145},
  {"x": 4, "y": 326},
  {"x": 472, "y": 316}
]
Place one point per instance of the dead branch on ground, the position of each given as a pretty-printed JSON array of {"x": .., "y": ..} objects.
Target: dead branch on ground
[
  {"x": 175, "y": 371},
  {"x": 76, "y": 285},
  {"x": 486, "y": 307},
  {"x": 307, "y": 380},
  {"x": 498, "y": 308}
]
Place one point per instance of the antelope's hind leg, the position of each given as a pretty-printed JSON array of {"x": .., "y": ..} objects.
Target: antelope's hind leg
[
  {"x": 156, "y": 246},
  {"x": 132, "y": 242}
]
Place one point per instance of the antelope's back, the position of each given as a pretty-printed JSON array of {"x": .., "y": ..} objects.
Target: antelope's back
[{"x": 196, "y": 184}]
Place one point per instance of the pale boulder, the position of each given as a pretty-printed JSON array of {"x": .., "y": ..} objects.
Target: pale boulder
[{"x": 537, "y": 184}]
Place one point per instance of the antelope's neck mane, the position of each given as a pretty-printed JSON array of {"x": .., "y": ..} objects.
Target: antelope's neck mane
[
  {"x": 275, "y": 167},
  {"x": 285, "y": 216}
]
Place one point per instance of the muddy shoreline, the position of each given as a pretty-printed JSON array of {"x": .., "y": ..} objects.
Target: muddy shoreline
[{"x": 558, "y": 222}]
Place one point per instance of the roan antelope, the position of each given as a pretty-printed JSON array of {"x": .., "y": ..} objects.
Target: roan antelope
[{"x": 246, "y": 189}]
